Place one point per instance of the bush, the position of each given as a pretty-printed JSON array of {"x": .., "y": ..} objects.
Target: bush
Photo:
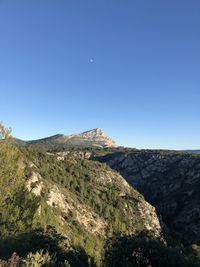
[{"x": 39, "y": 259}]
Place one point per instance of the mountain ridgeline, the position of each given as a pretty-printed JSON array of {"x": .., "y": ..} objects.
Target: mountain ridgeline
[
  {"x": 81, "y": 201},
  {"x": 91, "y": 138}
]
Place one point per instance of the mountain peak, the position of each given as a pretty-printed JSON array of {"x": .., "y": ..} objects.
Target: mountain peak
[
  {"x": 99, "y": 130},
  {"x": 92, "y": 138},
  {"x": 95, "y": 131},
  {"x": 98, "y": 137}
]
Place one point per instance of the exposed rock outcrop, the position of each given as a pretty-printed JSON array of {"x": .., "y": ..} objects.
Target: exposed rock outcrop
[{"x": 67, "y": 205}]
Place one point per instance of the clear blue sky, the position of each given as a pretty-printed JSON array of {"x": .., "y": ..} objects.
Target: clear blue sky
[{"x": 131, "y": 67}]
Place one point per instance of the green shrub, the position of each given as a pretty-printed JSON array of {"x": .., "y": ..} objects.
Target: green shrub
[{"x": 39, "y": 259}]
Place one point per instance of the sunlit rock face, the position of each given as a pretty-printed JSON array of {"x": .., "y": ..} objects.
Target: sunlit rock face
[{"x": 97, "y": 137}]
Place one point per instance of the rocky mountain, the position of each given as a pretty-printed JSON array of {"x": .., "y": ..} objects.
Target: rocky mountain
[
  {"x": 169, "y": 181},
  {"x": 91, "y": 138}
]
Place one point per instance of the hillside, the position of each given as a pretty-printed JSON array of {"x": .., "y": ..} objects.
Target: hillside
[{"x": 87, "y": 199}]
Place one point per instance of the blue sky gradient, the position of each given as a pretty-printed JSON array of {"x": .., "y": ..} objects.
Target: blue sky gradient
[{"x": 130, "y": 67}]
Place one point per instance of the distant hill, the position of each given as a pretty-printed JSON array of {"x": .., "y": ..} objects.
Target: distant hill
[{"x": 92, "y": 138}]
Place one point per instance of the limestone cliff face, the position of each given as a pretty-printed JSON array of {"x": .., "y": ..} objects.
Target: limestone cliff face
[{"x": 170, "y": 182}]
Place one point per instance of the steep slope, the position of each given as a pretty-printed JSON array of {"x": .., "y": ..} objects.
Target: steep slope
[{"x": 169, "y": 181}]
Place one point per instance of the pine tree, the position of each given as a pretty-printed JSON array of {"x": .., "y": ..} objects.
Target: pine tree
[
  {"x": 11, "y": 167},
  {"x": 17, "y": 205}
]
